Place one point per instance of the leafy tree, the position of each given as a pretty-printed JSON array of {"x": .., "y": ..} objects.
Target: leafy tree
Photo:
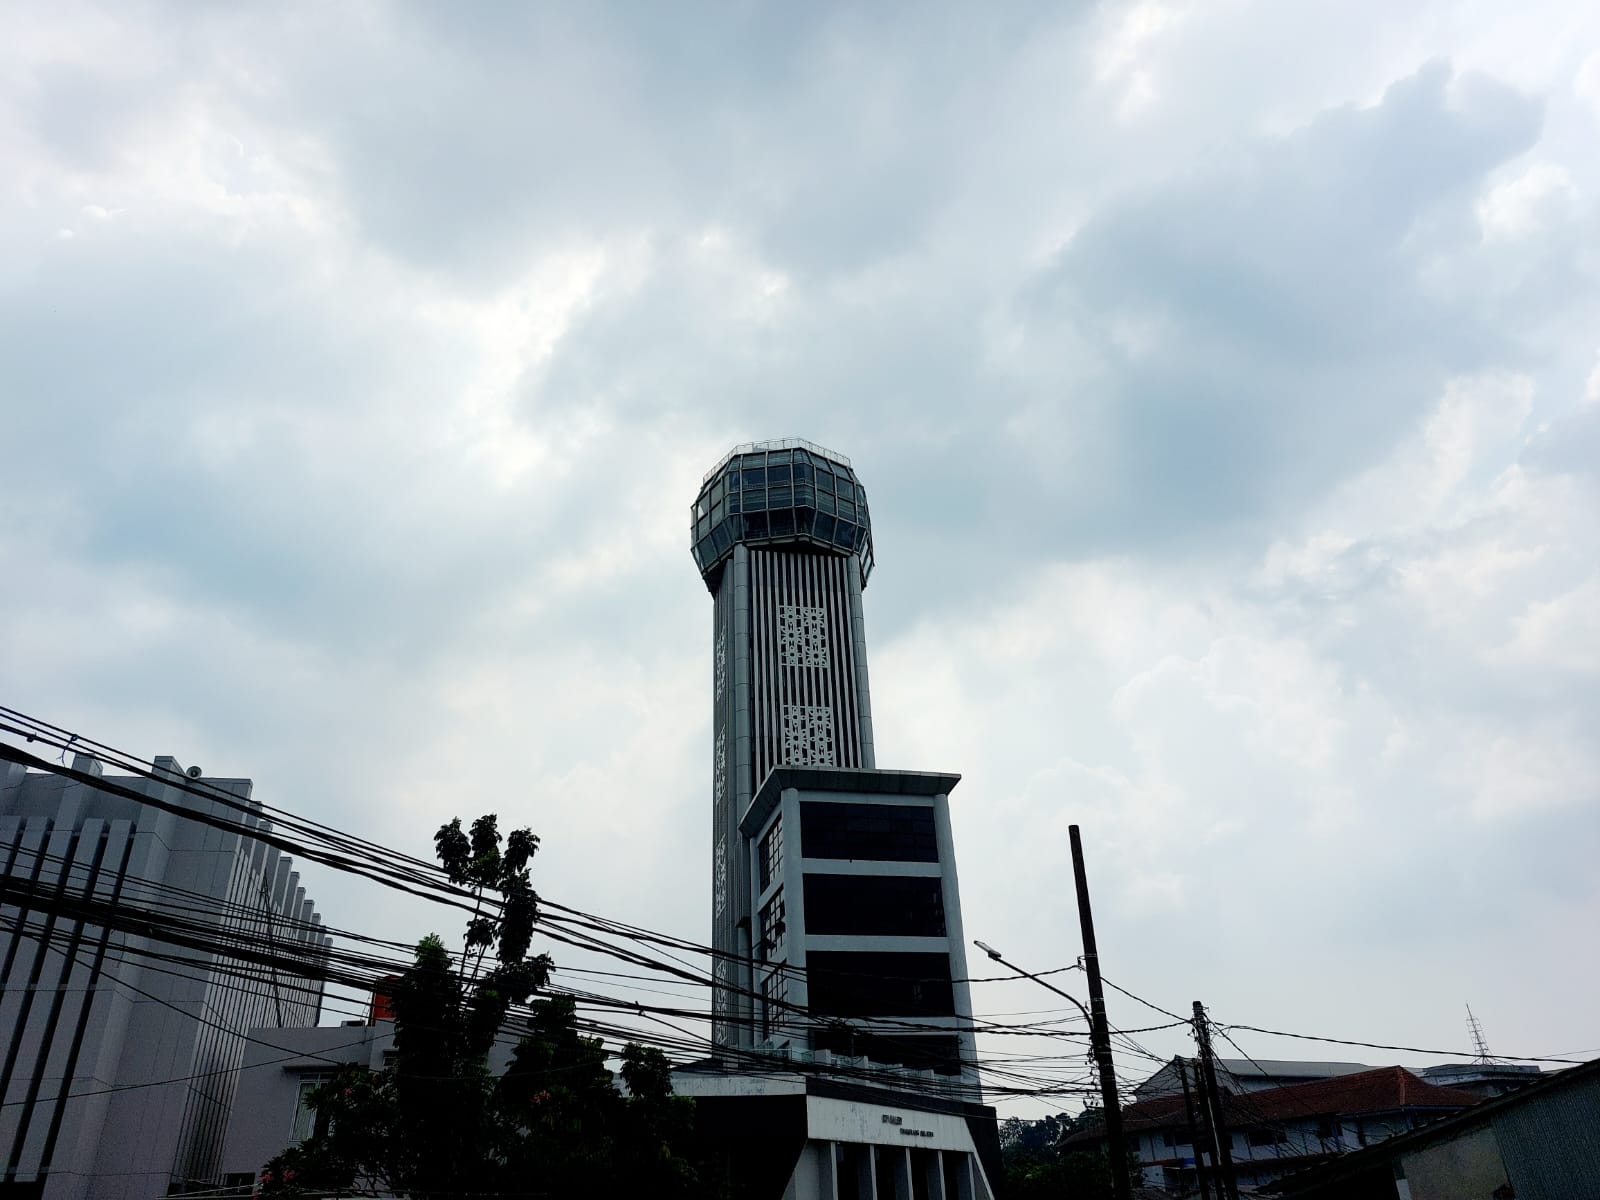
[
  {"x": 1038, "y": 1166},
  {"x": 436, "y": 1122}
]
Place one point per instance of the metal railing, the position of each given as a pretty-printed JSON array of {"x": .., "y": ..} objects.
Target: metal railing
[{"x": 774, "y": 444}]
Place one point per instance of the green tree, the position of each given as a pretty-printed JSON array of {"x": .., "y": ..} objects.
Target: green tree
[
  {"x": 1039, "y": 1166},
  {"x": 436, "y": 1122}
]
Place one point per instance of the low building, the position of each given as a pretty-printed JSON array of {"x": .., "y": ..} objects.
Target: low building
[
  {"x": 1281, "y": 1130},
  {"x": 281, "y": 1068},
  {"x": 125, "y": 1019},
  {"x": 802, "y": 1128},
  {"x": 1245, "y": 1075},
  {"x": 1486, "y": 1079},
  {"x": 1541, "y": 1142}
]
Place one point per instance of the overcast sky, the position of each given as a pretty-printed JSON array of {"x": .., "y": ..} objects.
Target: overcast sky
[{"x": 1225, "y": 378}]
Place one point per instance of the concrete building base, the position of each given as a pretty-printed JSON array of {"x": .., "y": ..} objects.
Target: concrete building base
[{"x": 792, "y": 1136}]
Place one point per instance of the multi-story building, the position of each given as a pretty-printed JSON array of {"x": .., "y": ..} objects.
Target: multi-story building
[
  {"x": 836, "y": 917},
  {"x": 122, "y": 1038}
]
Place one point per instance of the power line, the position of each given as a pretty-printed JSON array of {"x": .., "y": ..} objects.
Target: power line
[{"x": 1312, "y": 1037}]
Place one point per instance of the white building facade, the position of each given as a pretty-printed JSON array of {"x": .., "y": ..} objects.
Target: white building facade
[{"x": 122, "y": 1048}]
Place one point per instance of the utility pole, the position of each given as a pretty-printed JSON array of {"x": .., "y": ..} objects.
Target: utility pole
[
  {"x": 1222, "y": 1138},
  {"x": 1194, "y": 1131},
  {"x": 1100, "y": 1029}
]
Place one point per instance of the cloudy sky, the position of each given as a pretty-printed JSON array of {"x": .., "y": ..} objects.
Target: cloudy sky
[{"x": 1225, "y": 377}]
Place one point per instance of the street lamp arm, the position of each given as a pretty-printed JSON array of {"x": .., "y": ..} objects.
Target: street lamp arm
[{"x": 1021, "y": 974}]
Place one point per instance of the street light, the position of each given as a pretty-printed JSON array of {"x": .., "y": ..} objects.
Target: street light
[
  {"x": 1099, "y": 1036},
  {"x": 1021, "y": 974}
]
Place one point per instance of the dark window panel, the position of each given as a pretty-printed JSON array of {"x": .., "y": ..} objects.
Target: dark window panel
[
  {"x": 777, "y": 473},
  {"x": 772, "y": 930},
  {"x": 755, "y": 477},
  {"x": 849, "y": 983},
  {"x": 771, "y": 854},
  {"x": 873, "y": 832},
  {"x": 783, "y": 523},
  {"x": 875, "y": 905}
]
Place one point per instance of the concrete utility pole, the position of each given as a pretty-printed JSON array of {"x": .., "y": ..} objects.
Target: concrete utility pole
[
  {"x": 1194, "y": 1132},
  {"x": 1222, "y": 1137},
  {"x": 1100, "y": 1029}
]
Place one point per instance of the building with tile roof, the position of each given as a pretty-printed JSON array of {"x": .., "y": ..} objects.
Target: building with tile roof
[
  {"x": 1285, "y": 1129},
  {"x": 1540, "y": 1142}
]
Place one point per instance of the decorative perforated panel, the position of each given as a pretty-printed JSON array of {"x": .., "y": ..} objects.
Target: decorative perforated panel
[
  {"x": 722, "y": 1000},
  {"x": 719, "y": 779},
  {"x": 722, "y": 661},
  {"x": 720, "y": 876},
  {"x": 802, "y": 636},
  {"x": 808, "y": 735}
]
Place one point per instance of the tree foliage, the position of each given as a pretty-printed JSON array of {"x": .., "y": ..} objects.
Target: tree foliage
[
  {"x": 437, "y": 1122},
  {"x": 1039, "y": 1166}
]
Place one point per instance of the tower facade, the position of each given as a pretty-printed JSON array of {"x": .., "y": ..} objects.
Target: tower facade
[{"x": 835, "y": 911}]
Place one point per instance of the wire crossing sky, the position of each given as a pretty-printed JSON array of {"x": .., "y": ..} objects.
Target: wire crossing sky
[{"x": 1225, "y": 378}]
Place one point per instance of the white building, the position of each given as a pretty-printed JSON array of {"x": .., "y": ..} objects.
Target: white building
[
  {"x": 1246, "y": 1075},
  {"x": 121, "y": 1049}
]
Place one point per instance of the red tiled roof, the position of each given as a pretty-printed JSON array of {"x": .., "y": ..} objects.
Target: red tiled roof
[
  {"x": 1383, "y": 1090},
  {"x": 1386, "y": 1089}
]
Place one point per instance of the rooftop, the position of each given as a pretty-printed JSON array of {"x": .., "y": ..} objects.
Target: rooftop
[
  {"x": 774, "y": 444},
  {"x": 787, "y": 493},
  {"x": 1244, "y": 1068},
  {"x": 1383, "y": 1089}
]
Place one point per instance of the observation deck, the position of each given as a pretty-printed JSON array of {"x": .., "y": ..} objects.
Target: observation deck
[{"x": 787, "y": 492}]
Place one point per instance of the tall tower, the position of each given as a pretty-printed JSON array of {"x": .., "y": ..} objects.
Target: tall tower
[{"x": 835, "y": 912}]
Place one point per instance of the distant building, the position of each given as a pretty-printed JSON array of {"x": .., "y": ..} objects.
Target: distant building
[
  {"x": 119, "y": 1066},
  {"x": 1539, "y": 1142},
  {"x": 1276, "y": 1131},
  {"x": 1246, "y": 1075},
  {"x": 1486, "y": 1079}
]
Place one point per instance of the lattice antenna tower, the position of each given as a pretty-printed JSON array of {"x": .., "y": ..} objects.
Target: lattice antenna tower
[{"x": 1475, "y": 1027}]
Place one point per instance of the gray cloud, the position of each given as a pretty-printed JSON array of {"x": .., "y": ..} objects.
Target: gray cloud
[{"x": 1220, "y": 397}]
